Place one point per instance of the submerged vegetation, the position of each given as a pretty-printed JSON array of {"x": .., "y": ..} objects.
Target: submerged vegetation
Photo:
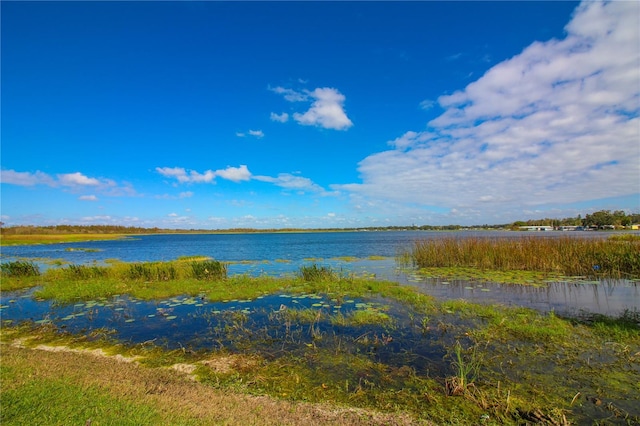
[
  {"x": 318, "y": 336},
  {"x": 613, "y": 257}
]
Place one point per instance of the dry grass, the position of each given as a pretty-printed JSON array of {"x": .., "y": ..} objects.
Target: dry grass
[
  {"x": 176, "y": 397},
  {"x": 565, "y": 255}
]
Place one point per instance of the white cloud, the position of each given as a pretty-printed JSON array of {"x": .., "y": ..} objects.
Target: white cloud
[
  {"x": 235, "y": 174},
  {"x": 256, "y": 133},
  {"x": 26, "y": 178},
  {"x": 290, "y": 94},
  {"x": 557, "y": 123},
  {"x": 427, "y": 104},
  {"x": 71, "y": 181},
  {"x": 326, "y": 110},
  {"x": 88, "y": 198},
  {"x": 182, "y": 176},
  {"x": 292, "y": 182},
  {"x": 282, "y": 118}
]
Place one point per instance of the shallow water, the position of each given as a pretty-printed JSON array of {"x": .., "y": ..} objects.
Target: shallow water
[
  {"x": 568, "y": 298},
  {"x": 262, "y": 325},
  {"x": 281, "y": 254}
]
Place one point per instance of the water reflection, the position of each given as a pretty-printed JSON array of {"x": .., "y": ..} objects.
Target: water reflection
[{"x": 569, "y": 298}]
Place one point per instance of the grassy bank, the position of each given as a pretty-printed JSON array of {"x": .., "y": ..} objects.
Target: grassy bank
[
  {"x": 50, "y": 387},
  {"x": 24, "y": 239},
  {"x": 187, "y": 276},
  {"x": 617, "y": 257},
  {"x": 506, "y": 366}
]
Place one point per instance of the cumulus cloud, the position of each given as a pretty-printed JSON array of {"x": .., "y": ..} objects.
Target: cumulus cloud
[
  {"x": 326, "y": 110},
  {"x": 281, "y": 118},
  {"x": 292, "y": 182},
  {"x": 557, "y": 123},
  {"x": 26, "y": 178},
  {"x": 70, "y": 181},
  {"x": 235, "y": 174},
  {"x": 88, "y": 198},
  {"x": 77, "y": 178}
]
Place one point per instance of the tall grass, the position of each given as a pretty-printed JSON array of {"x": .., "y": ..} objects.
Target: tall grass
[
  {"x": 145, "y": 271},
  {"x": 315, "y": 273},
  {"x": 19, "y": 269},
  {"x": 619, "y": 258}
]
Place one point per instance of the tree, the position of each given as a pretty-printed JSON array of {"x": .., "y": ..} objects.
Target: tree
[{"x": 599, "y": 218}]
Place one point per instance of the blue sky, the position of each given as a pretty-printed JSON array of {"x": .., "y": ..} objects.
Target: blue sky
[{"x": 220, "y": 115}]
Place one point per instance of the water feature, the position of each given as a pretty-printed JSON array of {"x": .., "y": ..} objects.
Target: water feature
[
  {"x": 275, "y": 323},
  {"x": 302, "y": 326},
  {"x": 278, "y": 254}
]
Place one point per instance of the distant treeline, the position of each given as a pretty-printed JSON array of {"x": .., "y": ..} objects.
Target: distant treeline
[{"x": 599, "y": 219}]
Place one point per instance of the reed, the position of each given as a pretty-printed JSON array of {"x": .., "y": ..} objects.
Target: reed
[
  {"x": 618, "y": 258},
  {"x": 208, "y": 270},
  {"x": 315, "y": 273},
  {"x": 19, "y": 269}
]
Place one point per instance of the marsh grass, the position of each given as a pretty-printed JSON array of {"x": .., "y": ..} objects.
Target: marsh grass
[
  {"x": 316, "y": 273},
  {"x": 19, "y": 268},
  {"x": 209, "y": 270},
  {"x": 466, "y": 364},
  {"x": 508, "y": 372},
  {"x": 618, "y": 257}
]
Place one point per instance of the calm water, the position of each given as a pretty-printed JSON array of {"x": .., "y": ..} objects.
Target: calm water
[{"x": 283, "y": 253}]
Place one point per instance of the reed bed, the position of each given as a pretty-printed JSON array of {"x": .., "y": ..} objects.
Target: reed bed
[{"x": 570, "y": 256}]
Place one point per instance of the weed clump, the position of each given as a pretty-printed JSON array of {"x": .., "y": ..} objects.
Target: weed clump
[
  {"x": 209, "y": 270},
  {"x": 20, "y": 269},
  {"x": 315, "y": 273}
]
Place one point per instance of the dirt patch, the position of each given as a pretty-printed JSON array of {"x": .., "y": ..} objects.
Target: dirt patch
[{"x": 231, "y": 363}]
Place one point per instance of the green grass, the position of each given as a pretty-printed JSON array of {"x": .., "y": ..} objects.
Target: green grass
[
  {"x": 23, "y": 239},
  {"x": 19, "y": 269},
  {"x": 614, "y": 257},
  {"x": 61, "y": 402}
]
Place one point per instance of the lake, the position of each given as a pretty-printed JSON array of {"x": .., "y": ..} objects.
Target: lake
[{"x": 279, "y": 254}]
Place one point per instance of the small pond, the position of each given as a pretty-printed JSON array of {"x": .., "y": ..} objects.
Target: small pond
[{"x": 270, "y": 325}]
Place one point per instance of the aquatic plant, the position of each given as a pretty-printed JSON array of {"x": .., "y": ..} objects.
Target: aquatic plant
[
  {"x": 467, "y": 366},
  {"x": 316, "y": 273},
  {"x": 209, "y": 270},
  {"x": 20, "y": 268},
  {"x": 566, "y": 255},
  {"x": 85, "y": 272}
]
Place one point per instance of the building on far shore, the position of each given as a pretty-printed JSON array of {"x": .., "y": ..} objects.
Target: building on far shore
[{"x": 537, "y": 228}]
